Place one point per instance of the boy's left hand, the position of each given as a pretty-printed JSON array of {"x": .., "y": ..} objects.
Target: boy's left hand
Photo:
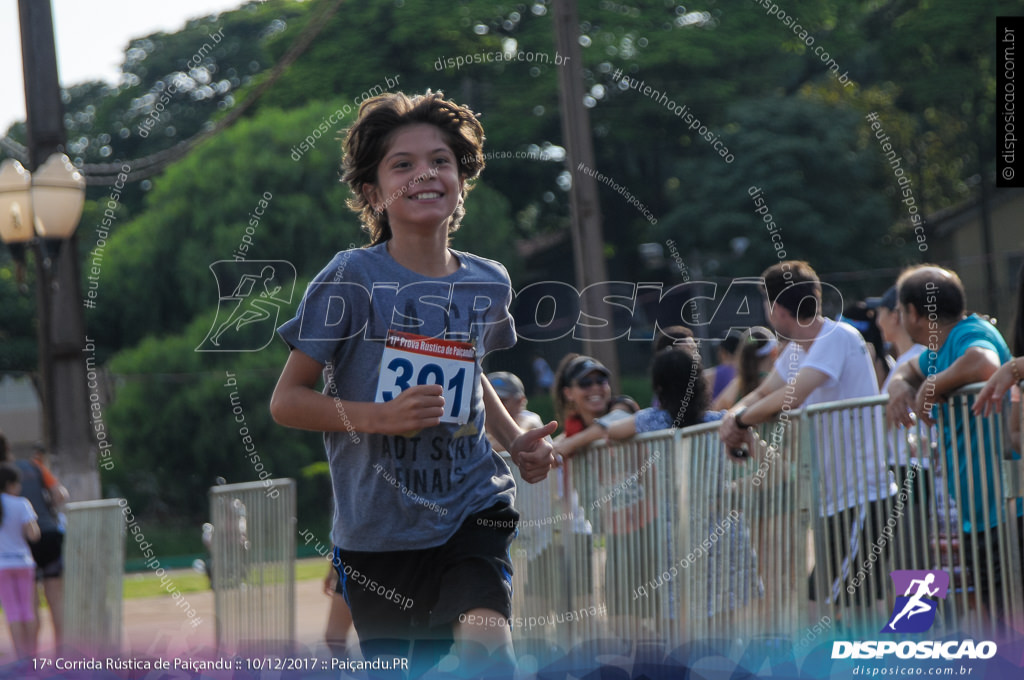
[{"x": 533, "y": 453}]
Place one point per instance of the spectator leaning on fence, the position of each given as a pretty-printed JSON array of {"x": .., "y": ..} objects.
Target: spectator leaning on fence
[
  {"x": 683, "y": 395},
  {"x": 1009, "y": 374},
  {"x": 990, "y": 399},
  {"x": 888, "y": 320},
  {"x": 581, "y": 392},
  {"x": 824, "y": 361},
  {"x": 960, "y": 350}
]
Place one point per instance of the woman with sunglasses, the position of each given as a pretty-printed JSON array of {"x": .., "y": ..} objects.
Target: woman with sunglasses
[{"x": 581, "y": 392}]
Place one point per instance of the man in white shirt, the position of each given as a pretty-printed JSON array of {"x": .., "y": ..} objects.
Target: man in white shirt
[{"x": 824, "y": 361}]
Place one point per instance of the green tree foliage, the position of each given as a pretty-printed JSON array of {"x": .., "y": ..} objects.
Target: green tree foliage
[
  {"x": 205, "y": 64},
  {"x": 798, "y": 152},
  {"x": 18, "y": 352},
  {"x": 157, "y": 265},
  {"x": 176, "y": 426}
]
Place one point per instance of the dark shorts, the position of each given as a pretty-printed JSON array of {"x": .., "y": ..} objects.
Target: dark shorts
[
  {"x": 846, "y": 555},
  {"x": 405, "y": 603},
  {"x": 48, "y": 553}
]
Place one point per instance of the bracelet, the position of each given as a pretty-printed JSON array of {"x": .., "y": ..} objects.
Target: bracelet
[
  {"x": 736, "y": 419},
  {"x": 1016, "y": 374}
]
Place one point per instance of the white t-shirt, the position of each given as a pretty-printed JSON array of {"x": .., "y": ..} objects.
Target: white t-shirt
[
  {"x": 900, "y": 360},
  {"x": 853, "y": 449},
  {"x": 14, "y": 550}
]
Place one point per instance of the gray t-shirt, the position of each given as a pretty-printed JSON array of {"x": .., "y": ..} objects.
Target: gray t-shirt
[{"x": 409, "y": 492}]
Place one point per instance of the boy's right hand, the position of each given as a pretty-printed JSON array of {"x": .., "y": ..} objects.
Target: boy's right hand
[{"x": 415, "y": 408}]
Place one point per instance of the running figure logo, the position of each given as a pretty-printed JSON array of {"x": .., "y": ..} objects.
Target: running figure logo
[
  {"x": 251, "y": 294},
  {"x": 914, "y": 611}
]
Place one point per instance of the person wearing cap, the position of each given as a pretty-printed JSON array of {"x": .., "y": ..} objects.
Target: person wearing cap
[
  {"x": 582, "y": 392},
  {"x": 887, "y": 318},
  {"x": 513, "y": 395}
]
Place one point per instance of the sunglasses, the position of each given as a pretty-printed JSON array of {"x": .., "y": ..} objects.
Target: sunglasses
[{"x": 589, "y": 382}]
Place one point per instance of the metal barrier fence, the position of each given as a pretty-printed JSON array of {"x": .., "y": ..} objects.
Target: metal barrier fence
[
  {"x": 253, "y": 566},
  {"x": 664, "y": 537},
  {"x": 93, "y": 576},
  {"x": 942, "y": 504}
]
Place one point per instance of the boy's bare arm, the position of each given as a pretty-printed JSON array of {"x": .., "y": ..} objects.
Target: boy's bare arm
[{"x": 296, "y": 403}]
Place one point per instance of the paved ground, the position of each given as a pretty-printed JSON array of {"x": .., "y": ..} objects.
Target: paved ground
[{"x": 154, "y": 627}]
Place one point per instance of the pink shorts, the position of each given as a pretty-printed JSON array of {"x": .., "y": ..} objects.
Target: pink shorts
[{"x": 17, "y": 591}]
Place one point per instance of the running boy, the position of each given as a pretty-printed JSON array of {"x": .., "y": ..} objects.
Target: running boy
[{"x": 423, "y": 506}]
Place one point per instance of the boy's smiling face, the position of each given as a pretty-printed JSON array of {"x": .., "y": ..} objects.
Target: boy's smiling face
[{"x": 418, "y": 183}]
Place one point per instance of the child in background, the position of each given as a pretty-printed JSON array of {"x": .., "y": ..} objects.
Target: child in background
[
  {"x": 424, "y": 512},
  {"x": 756, "y": 355},
  {"x": 533, "y": 502},
  {"x": 718, "y": 377},
  {"x": 18, "y": 528},
  {"x": 510, "y": 390}
]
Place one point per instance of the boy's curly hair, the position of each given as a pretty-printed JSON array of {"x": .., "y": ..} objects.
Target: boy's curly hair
[{"x": 368, "y": 139}]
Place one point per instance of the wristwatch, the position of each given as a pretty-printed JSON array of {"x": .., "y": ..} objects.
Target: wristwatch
[{"x": 736, "y": 419}]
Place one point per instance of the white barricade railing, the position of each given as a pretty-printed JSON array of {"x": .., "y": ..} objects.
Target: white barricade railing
[
  {"x": 626, "y": 493},
  {"x": 664, "y": 537},
  {"x": 986, "y": 589},
  {"x": 93, "y": 577},
  {"x": 253, "y": 566},
  {"x": 540, "y": 560}
]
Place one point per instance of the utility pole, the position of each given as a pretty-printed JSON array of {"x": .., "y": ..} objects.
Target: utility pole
[
  {"x": 64, "y": 392},
  {"x": 584, "y": 208}
]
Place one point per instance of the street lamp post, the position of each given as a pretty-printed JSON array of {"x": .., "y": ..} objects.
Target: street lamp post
[{"x": 39, "y": 209}]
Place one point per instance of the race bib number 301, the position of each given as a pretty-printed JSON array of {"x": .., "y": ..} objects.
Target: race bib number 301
[{"x": 411, "y": 359}]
